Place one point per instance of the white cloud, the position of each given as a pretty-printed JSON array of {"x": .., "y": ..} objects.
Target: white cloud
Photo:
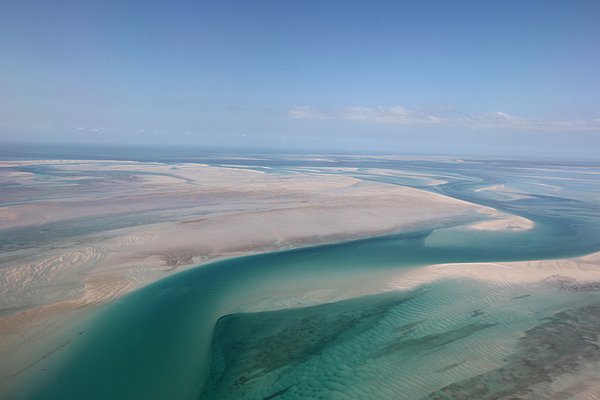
[
  {"x": 447, "y": 116},
  {"x": 98, "y": 130},
  {"x": 379, "y": 114}
]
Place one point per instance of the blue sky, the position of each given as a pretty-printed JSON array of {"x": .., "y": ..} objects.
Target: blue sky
[{"x": 489, "y": 77}]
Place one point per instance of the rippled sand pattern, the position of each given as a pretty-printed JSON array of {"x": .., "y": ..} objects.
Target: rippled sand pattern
[
  {"x": 406, "y": 346},
  {"x": 414, "y": 294},
  {"x": 562, "y": 346}
]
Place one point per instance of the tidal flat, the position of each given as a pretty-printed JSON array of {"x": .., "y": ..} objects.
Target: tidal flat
[{"x": 299, "y": 277}]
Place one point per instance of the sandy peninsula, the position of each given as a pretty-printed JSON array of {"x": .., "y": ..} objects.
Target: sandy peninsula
[{"x": 580, "y": 273}]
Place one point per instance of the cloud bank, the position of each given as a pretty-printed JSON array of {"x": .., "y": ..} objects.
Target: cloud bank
[{"x": 446, "y": 116}]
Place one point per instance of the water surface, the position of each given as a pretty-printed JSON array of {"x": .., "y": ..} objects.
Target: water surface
[{"x": 203, "y": 333}]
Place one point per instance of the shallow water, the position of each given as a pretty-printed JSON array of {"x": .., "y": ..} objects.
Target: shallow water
[
  {"x": 388, "y": 346},
  {"x": 158, "y": 342}
]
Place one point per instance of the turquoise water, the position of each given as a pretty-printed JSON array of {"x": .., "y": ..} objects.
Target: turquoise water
[
  {"x": 384, "y": 346},
  {"x": 160, "y": 341}
]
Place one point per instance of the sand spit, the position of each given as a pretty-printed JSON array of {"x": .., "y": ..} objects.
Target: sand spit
[
  {"x": 503, "y": 222},
  {"x": 581, "y": 273},
  {"x": 524, "y": 353},
  {"x": 195, "y": 213}
]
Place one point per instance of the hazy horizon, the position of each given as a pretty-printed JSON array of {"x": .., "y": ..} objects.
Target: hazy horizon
[{"x": 178, "y": 152}]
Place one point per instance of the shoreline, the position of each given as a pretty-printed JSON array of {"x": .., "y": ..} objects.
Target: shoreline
[
  {"x": 132, "y": 258},
  {"x": 210, "y": 213},
  {"x": 572, "y": 273},
  {"x": 569, "y": 274}
]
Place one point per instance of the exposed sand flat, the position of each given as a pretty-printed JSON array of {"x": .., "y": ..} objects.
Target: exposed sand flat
[
  {"x": 503, "y": 191},
  {"x": 503, "y": 222},
  {"x": 19, "y": 163},
  {"x": 570, "y": 274},
  {"x": 171, "y": 217},
  {"x": 430, "y": 179},
  {"x": 494, "y": 187},
  {"x": 221, "y": 213},
  {"x": 6, "y": 215},
  {"x": 211, "y": 212},
  {"x": 582, "y": 273}
]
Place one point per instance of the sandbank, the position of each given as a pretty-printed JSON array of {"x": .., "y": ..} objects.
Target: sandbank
[{"x": 174, "y": 216}]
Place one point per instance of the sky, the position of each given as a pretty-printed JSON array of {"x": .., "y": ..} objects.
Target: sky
[{"x": 430, "y": 77}]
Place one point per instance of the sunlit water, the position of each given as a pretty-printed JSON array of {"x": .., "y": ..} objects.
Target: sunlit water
[{"x": 203, "y": 333}]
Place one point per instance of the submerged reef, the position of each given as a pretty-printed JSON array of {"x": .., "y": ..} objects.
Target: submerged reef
[
  {"x": 269, "y": 355},
  {"x": 247, "y": 347},
  {"x": 563, "y": 344}
]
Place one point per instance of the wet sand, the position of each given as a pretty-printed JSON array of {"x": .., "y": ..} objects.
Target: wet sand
[{"x": 568, "y": 274}]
